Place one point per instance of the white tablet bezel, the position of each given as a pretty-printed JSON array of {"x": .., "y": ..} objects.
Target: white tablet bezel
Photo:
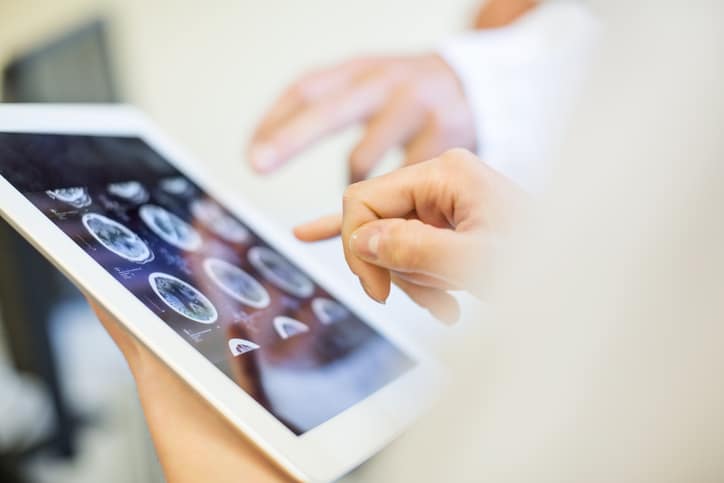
[{"x": 323, "y": 453}]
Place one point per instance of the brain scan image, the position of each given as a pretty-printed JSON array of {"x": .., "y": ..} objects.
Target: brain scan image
[
  {"x": 131, "y": 191},
  {"x": 75, "y": 197},
  {"x": 218, "y": 221},
  {"x": 286, "y": 327},
  {"x": 328, "y": 311},
  {"x": 236, "y": 283},
  {"x": 178, "y": 186},
  {"x": 170, "y": 227},
  {"x": 210, "y": 277},
  {"x": 117, "y": 238},
  {"x": 183, "y": 298},
  {"x": 280, "y": 272},
  {"x": 241, "y": 346}
]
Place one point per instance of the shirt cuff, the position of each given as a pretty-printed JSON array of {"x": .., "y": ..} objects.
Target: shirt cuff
[{"x": 520, "y": 82}]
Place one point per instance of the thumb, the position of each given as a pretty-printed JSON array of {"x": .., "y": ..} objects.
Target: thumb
[{"x": 411, "y": 246}]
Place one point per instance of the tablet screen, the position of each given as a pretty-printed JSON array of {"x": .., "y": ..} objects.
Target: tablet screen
[{"x": 299, "y": 352}]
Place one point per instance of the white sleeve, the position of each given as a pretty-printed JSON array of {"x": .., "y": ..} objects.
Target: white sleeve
[{"x": 520, "y": 81}]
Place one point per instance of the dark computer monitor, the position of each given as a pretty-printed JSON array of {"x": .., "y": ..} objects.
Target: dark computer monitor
[{"x": 75, "y": 67}]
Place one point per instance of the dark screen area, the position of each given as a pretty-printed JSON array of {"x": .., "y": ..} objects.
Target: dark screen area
[{"x": 300, "y": 353}]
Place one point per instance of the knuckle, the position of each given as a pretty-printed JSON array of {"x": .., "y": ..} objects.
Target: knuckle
[
  {"x": 405, "y": 247},
  {"x": 408, "y": 91},
  {"x": 457, "y": 155},
  {"x": 359, "y": 158},
  {"x": 355, "y": 158},
  {"x": 359, "y": 62},
  {"x": 302, "y": 89},
  {"x": 456, "y": 160},
  {"x": 352, "y": 193},
  {"x": 297, "y": 91}
]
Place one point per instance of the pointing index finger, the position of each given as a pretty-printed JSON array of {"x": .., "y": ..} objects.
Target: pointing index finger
[
  {"x": 322, "y": 228},
  {"x": 389, "y": 196}
]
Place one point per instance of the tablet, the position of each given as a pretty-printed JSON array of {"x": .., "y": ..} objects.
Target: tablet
[{"x": 227, "y": 301}]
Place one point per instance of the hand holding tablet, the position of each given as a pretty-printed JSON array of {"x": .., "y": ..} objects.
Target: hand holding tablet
[
  {"x": 182, "y": 423},
  {"x": 232, "y": 308}
]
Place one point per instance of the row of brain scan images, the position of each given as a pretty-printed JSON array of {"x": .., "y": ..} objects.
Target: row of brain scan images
[{"x": 182, "y": 297}]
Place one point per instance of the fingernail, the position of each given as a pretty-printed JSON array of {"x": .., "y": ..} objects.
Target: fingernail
[
  {"x": 370, "y": 294},
  {"x": 446, "y": 317},
  {"x": 263, "y": 157},
  {"x": 365, "y": 243}
]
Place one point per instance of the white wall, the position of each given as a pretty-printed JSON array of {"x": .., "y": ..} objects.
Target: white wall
[{"x": 206, "y": 70}]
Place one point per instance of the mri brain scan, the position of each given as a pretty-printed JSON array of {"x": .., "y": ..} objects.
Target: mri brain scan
[
  {"x": 117, "y": 238},
  {"x": 131, "y": 191},
  {"x": 170, "y": 227},
  {"x": 286, "y": 327},
  {"x": 75, "y": 197},
  {"x": 240, "y": 347},
  {"x": 178, "y": 186},
  {"x": 219, "y": 222},
  {"x": 183, "y": 298},
  {"x": 236, "y": 283},
  {"x": 280, "y": 272},
  {"x": 328, "y": 311}
]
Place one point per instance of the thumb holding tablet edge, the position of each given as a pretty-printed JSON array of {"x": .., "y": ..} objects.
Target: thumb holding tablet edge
[{"x": 182, "y": 423}]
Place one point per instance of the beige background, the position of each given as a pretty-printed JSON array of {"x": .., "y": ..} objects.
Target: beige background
[{"x": 206, "y": 70}]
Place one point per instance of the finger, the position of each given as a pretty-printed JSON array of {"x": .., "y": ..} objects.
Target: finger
[
  {"x": 426, "y": 280},
  {"x": 309, "y": 88},
  {"x": 425, "y": 145},
  {"x": 410, "y": 246},
  {"x": 424, "y": 188},
  {"x": 390, "y": 196},
  {"x": 441, "y": 304},
  {"x": 392, "y": 126},
  {"x": 320, "y": 229},
  {"x": 316, "y": 120},
  {"x": 128, "y": 344}
]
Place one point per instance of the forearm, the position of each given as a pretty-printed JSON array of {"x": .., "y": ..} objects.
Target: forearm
[{"x": 193, "y": 442}]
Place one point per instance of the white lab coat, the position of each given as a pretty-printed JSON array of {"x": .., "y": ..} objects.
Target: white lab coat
[
  {"x": 604, "y": 359},
  {"x": 520, "y": 81}
]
